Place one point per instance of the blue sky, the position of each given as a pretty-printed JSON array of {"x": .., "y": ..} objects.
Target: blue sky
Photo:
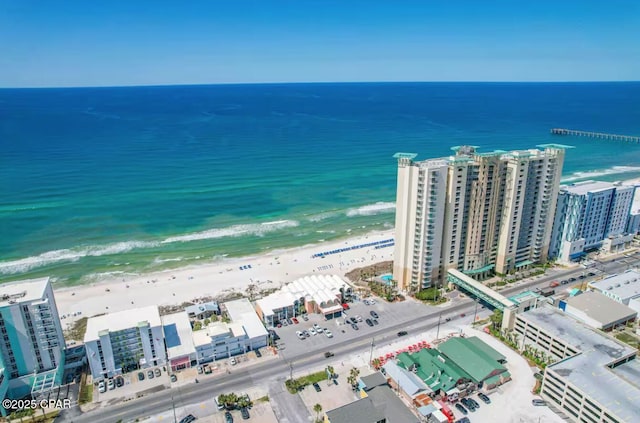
[{"x": 101, "y": 43}]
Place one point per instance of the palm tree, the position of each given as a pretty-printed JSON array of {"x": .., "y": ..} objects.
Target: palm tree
[
  {"x": 318, "y": 409},
  {"x": 353, "y": 378}
]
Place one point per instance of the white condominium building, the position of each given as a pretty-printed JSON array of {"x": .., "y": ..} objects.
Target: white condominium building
[
  {"x": 121, "y": 342},
  {"x": 31, "y": 340},
  {"x": 476, "y": 212},
  {"x": 587, "y": 214}
]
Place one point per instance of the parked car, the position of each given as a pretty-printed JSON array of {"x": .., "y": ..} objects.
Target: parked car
[
  {"x": 150, "y": 374},
  {"x": 244, "y": 411},
  {"x": 218, "y": 404},
  {"x": 258, "y": 353},
  {"x": 305, "y": 318},
  {"x": 228, "y": 417},
  {"x": 294, "y": 320},
  {"x": 119, "y": 382},
  {"x": 157, "y": 372},
  {"x": 200, "y": 371},
  {"x": 538, "y": 402},
  {"x": 474, "y": 402},
  {"x": 233, "y": 361},
  {"x": 306, "y": 333},
  {"x": 316, "y": 326},
  {"x": 374, "y": 314},
  {"x": 319, "y": 330},
  {"x": 461, "y": 408},
  {"x": 188, "y": 419},
  {"x": 369, "y": 322},
  {"x": 140, "y": 376},
  {"x": 355, "y": 327},
  {"x": 359, "y": 318},
  {"x": 300, "y": 335},
  {"x": 375, "y": 321},
  {"x": 345, "y": 306},
  {"x": 290, "y": 321},
  {"x": 102, "y": 387},
  {"x": 284, "y": 323},
  {"x": 317, "y": 387},
  {"x": 463, "y": 420},
  {"x": 312, "y": 331},
  {"x": 484, "y": 398},
  {"x": 402, "y": 333},
  {"x": 111, "y": 384},
  {"x": 328, "y": 354},
  {"x": 468, "y": 404},
  {"x": 591, "y": 274},
  {"x": 328, "y": 333},
  {"x": 174, "y": 378},
  {"x": 353, "y": 320}
]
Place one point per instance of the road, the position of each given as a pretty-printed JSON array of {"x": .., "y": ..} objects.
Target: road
[{"x": 267, "y": 372}]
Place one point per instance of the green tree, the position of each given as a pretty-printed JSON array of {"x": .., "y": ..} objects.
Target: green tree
[
  {"x": 496, "y": 319},
  {"x": 353, "y": 378},
  {"x": 318, "y": 409}
]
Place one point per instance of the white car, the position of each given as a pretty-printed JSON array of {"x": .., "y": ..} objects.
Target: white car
[
  {"x": 319, "y": 330},
  {"x": 233, "y": 361},
  {"x": 316, "y": 326},
  {"x": 102, "y": 387},
  {"x": 359, "y": 318},
  {"x": 300, "y": 335},
  {"x": 111, "y": 384},
  {"x": 328, "y": 333},
  {"x": 312, "y": 331}
]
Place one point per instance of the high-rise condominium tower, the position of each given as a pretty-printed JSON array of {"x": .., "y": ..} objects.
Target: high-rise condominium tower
[{"x": 481, "y": 213}]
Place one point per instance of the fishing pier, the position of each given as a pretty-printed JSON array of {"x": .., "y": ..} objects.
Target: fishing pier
[{"x": 599, "y": 135}]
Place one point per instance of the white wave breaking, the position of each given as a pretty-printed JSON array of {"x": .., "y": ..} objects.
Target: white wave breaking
[
  {"x": 371, "y": 209},
  {"x": 75, "y": 254},
  {"x": 70, "y": 255},
  {"x": 257, "y": 229},
  {"x": 577, "y": 176}
]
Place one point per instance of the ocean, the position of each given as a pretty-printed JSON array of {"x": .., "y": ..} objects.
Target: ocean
[{"x": 100, "y": 182}]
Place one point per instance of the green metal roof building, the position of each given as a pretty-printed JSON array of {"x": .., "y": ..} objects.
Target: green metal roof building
[
  {"x": 476, "y": 358},
  {"x": 436, "y": 370},
  {"x": 457, "y": 360}
]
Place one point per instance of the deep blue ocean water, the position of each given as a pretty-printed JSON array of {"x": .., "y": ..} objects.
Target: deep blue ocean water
[{"x": 96, "y": 181}]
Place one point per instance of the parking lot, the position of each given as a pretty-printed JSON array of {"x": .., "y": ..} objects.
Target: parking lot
[
  {"x": 390, "y": 314},
  {"x": 132, "y": 386}
]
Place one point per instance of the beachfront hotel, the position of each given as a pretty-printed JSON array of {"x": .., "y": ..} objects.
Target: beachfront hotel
[
  {"x": 591, "y": 215},
  {"x": 32, "y": 344},
  {"x": 315, "y": 294},
  {"x": 121, "y": 342},
  {"x": 481, "y": 213}
]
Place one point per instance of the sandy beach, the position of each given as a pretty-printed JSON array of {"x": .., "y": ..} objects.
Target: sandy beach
[{"x": 176, "y": 286}]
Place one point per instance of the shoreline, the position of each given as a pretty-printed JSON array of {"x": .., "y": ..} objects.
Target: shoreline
[{"x": 172, "y": 287}]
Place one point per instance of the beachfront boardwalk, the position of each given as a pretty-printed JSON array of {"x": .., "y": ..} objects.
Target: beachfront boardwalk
[{"x": 600, "y": 135}]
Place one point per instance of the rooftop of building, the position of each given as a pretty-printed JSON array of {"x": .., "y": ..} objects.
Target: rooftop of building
[
  {"x": 582, "y": 188},
  {"x": 121, "y": 320},
  {"x": 242, "y": 312},
  {"x": 436, "y": 370},
  {"x": 372, "y": 380},
  {"x": 210, "y": 306},
  {"x": 474, "y": 358},
  {"x": 524, "y": 296},
  {"x": 406, "y": 380},
  {"x": 217, "y": 329},
  {"x": 600, "y": 308},
  {"x": 178, "y": 335},
  {"x": 618, "y": 390},
  {"x": 23, "y": 291},
  {"x": 380, "y": 403},
  {"x": 624, "y": 285},
  {"x": 321, "y": 289},
  {"x": 201, "y": 337}
]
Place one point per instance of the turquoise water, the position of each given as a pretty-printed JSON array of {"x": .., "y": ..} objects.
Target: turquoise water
[
  {"x": 101, "y": 182},
  {"x": 386, "y": 278}
]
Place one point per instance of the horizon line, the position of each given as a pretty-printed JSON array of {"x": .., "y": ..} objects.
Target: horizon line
[{"x": 44, "y": 87}]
